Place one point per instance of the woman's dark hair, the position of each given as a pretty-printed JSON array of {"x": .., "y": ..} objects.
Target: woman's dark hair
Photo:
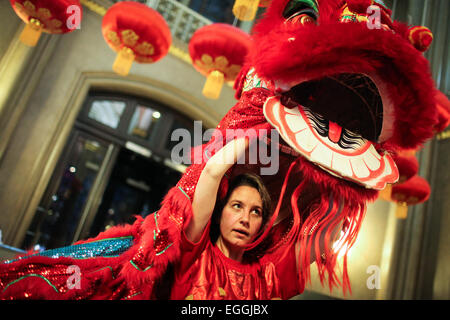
[{"x": 245, "y": 179}]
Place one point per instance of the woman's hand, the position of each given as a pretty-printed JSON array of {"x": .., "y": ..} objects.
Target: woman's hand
[{"x": 226, "y": 157}]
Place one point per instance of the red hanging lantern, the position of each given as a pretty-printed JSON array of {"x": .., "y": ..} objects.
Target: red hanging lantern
[
  {"x": 50, "y": 16},
  {"x": 443, "y": 108},
  {"x": 218, "y": 52},
  {"x": 414, "y": 191},
  {"x": 407, "y": 165},
  {"x": 137, "y": 33}
]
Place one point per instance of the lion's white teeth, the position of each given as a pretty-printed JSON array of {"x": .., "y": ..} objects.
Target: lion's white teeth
[
  {"x": 375, "y": 153},
  {"x": 372, "y": 162},
  {"x": 306, "y": 140},
  {"x": 359, "y": 168},
  {"x": 294, "y": 124},
  {"x": 357, "y": 161},
  {"x": 322, "y": 153},
  {"x": 293, "y": 111},
  {"x": 342, "y": 165}
]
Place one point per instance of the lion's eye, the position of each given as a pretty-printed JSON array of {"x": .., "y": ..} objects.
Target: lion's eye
[
  {"x": 301, "y": 18},
  {"x": 301, "y": 11}
]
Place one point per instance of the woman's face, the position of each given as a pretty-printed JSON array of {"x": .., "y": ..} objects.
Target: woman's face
[{"x": 241, "y": 217}]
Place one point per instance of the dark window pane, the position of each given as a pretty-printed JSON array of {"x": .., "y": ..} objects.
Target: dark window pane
[
  {"x": 107, "y": 112},
  {"x": 136, "y": 187},
  {"x": 143, "y": 122},
  {"x": 215, "y": 10},
  {"x": 57, "y": 218},
  {"x": 180, "y": 124}
]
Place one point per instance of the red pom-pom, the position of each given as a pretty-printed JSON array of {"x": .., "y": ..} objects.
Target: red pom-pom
[{"x": 420, "y": 38}]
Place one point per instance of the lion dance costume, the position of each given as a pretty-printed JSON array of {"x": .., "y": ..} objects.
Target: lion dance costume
[{"x": 344, "y": 97}]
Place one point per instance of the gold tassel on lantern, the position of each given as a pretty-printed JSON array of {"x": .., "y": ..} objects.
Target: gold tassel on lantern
[
  {"x": 402, "y": 210},
  {"x": 124, "y": 61},
  {"x": 213, "y": 85},
  {"x": 245, "y": 10},
  {"x": 385, "y": 194},
  {"x": 31, "y": 33}
]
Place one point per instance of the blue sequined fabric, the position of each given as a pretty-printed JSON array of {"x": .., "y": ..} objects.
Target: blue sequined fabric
[{"x": 105, "y": 248}]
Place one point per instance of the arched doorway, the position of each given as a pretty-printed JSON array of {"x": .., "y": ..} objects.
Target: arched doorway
[{"x": 115, "y": 165}]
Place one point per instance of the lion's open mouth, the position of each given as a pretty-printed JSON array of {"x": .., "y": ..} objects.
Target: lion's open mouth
[
  {"x": 351, "y": 101},
  {"x": 334, "y": 122}
]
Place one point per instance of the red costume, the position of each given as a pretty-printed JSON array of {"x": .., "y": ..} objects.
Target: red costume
[
  {"x": 343, "y": 97},
  {"x": 205, "y": 273}
]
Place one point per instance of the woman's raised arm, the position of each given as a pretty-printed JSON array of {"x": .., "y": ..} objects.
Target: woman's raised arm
[{"x": 208, "y": 186}]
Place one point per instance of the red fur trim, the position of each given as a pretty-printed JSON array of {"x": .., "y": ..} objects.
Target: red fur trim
[
  {"x": 329, "y": 184},
  {"x": 117, "y": 231},
  {"x": 175, "y": 205},
  {"x": 359, "y": 6},
  {"x": 96, "y": 280},
  {"x": 46, "y": 278},
  {"x": 320, "y": 220}
]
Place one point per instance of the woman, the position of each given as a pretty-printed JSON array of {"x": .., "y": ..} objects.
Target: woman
[{"x": 220, "y": 267}]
